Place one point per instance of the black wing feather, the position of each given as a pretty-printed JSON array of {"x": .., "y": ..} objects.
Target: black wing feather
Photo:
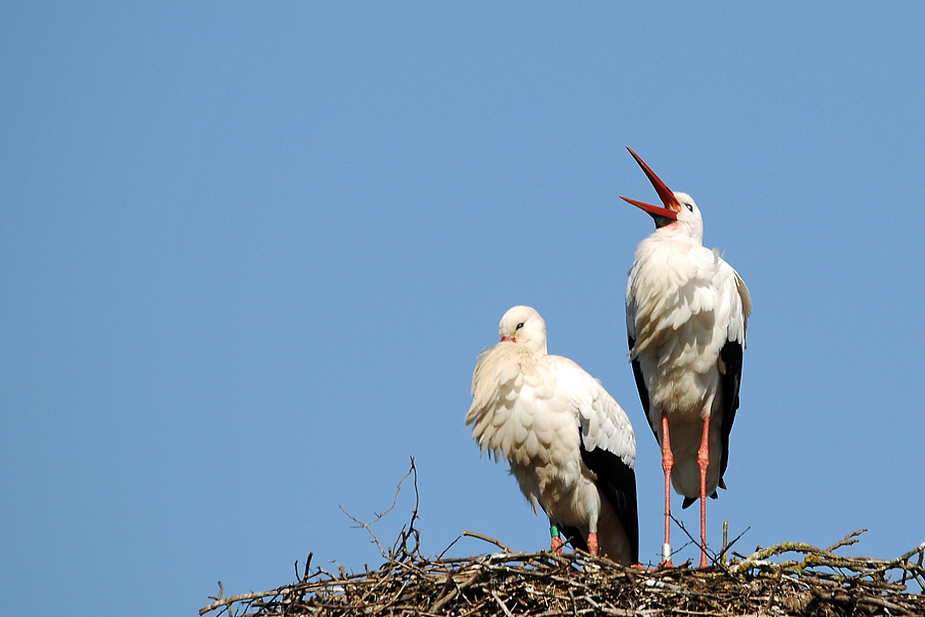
[
  {"x": 617, "y": 482},
  {"x": 731, "y": 355}
]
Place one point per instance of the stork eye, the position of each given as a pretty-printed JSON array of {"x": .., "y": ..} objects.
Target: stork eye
[
  {"x": 519, "y": 326},
  {"x": 689, "y": 207}
]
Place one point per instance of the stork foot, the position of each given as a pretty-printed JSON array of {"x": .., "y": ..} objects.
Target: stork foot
[
  {"x": 666, "y": 556},
  {"x": 592, "y": 543}
]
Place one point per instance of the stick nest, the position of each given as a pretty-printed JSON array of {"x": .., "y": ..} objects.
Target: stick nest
[{"x": 543, "y": 584}]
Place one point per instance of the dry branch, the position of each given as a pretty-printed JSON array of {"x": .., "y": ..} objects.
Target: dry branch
[{"x": 406, "y": 533}]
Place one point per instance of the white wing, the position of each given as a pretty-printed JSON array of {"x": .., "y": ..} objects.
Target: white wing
[{"x": 603, "y": 422}]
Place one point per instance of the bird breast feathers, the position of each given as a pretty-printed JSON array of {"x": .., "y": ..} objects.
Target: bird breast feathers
[
  {"x": 684, "y": 299},
  {"x": 515, "y": 413}
]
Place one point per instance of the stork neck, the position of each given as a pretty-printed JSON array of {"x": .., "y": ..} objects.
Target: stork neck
[{"x": 678, "y": 231}]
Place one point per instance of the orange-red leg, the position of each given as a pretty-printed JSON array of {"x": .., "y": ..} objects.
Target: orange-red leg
[
  {"x": 556, "y": 539},
  {"x": 592, "y": 543},
  {"x": 667, "y": 464},
  {"x": 703, "y": 461}
]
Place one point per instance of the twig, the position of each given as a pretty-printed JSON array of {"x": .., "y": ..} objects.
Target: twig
[
  {"x": 501, "y": 603},
  {"x": 571, "y": 594},
  {"x": 902, "y": 560},
  {"x": 410, "y": 532},
  {"x": 767, "y": 605},
  {"x": 777, "y": 549},
  {"x": 241, "y": 597},
  {"x": 473, "y": 534},
  {"x": 713, "y": 556},
  {"x": 848, "y": 540},
  {"x": 454, "y": 592},
  {"x": 308, "y": 563},
  {"x": 366, "y": 526},
  {"x": 440, "y": 556}
]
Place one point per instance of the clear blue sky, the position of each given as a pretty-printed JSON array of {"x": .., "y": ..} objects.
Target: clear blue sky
[{"x": 250, "y": 252}]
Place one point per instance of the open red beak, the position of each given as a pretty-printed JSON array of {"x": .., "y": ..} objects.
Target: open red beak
[{"x": 672, "y": 205}]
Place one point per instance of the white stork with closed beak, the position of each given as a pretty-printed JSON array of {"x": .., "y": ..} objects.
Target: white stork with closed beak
[
  {"x": 686, "y": 315},
  {"x": 569, "y": 444}
]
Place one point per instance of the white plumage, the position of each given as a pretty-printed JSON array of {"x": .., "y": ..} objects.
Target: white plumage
[
  {"x": 569, "y": 444},
  {"x": 686, "y": 315}
]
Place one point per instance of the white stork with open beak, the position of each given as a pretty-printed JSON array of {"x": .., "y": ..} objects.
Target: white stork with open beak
[
  {"x": 570, "y": 445},
  {"x": 686, "y": 315}
]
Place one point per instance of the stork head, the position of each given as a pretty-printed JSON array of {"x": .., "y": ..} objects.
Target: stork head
[
  {"x": 679, "y": 209},
  {"x": 524, "y": 326}
]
